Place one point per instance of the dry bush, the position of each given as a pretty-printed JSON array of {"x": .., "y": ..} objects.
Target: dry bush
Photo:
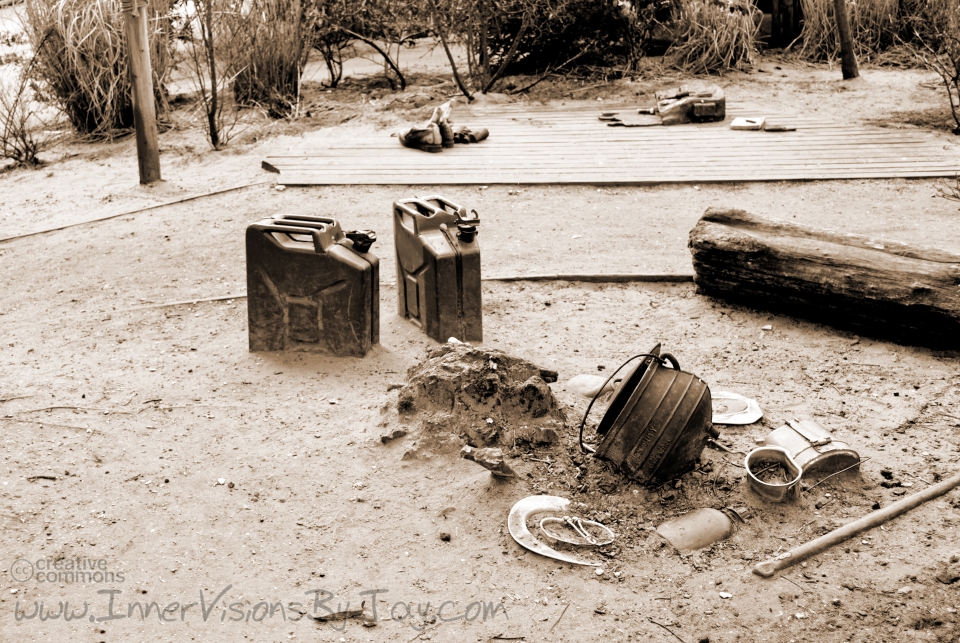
[
  {"x": 22, "y": 126},
  {"x": 939, "y": 48},
  {"x": 714, "y": 35},
  {"x": 277, "y": 41},
  {"x": 212, "y": 58},
  {"x": 876, "y": 26},
  {"x": 385, "y": 25},
  {"x": 80, "y": 55}
]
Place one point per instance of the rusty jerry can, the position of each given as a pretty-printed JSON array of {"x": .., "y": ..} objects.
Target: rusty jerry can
[
  {"x": 438, "y": 268},
  {"x": 658, "y": 421},
  {"x": 311, "y": 287}
]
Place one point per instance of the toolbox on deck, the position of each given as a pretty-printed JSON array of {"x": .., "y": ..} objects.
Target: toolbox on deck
[
  {"x": 311, "y": 287},
  {"x": 438, "y": 268}
]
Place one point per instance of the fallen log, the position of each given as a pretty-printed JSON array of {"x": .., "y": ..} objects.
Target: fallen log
[{"x": 878, "y": 288}]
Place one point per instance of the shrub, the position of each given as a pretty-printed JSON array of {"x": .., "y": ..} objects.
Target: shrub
[
  {"x": 80, "y": 53},
  {"x": 875, "y": 24},
  {"x": 504, "y": 37},
  {"x": 714, "y": 35},
  {"x": 21, "y": 127},
  {"x": 939, "y": 48},
  {"x": 277, "y": 43}
]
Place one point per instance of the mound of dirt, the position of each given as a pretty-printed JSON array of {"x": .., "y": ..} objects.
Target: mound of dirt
[{"x": 485, "y": 397}]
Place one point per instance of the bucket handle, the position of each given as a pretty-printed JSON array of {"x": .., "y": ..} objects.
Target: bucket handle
[{"x": 663, "y": 359}]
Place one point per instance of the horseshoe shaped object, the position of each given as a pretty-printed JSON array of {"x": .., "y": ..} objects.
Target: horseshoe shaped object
[{"x": 530, "y": 506}]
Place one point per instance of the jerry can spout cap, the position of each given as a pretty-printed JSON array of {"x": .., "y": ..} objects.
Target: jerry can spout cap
[
  {"x": 466, "y": 232},
  {"x": 362, "y": 239}
]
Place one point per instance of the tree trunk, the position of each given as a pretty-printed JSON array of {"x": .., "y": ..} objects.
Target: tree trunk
[
  {"x": 883, "y": 289},
  {"x": 848, "y": 59}
]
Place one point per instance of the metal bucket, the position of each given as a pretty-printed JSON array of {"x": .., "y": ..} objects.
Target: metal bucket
[{"x": 658, "y": 422}]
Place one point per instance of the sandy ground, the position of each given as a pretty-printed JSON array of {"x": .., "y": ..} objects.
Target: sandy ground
[{"x": 121, "y": 415}]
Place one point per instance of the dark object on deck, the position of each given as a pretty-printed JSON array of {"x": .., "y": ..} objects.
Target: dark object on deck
[
  {"x": 310, "y": 286},
  {"x": 438, "y": 268},
  {"x": 884, "y": 289},
  {"x": 691, "y": 103},
  {"x": 658, "y": 422}
]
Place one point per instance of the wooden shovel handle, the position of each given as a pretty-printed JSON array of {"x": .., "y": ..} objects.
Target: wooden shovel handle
[{"x": 770, "y": 567}]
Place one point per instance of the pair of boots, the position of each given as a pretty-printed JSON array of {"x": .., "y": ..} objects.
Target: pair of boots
[{"x": 438, "y": 132}]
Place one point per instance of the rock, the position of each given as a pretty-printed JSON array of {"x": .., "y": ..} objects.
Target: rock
[
  {"x": 726, "y": 595},
  {"x": 445, "y": 536},
  {"x": 396, "y": 434},
  {"x": 489, "y": 458},
  {"x": 949, "y": 574},
  {"x": 548, "y": 376}
]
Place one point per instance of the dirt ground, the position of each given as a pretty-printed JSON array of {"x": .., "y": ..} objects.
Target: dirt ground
[{"x": 141, "y": 437}]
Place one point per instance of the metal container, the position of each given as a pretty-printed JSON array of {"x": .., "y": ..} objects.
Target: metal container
[
  {"x": 816, "y": 452},
  {"x": 658, "y": 422},
  {"x": 311, "y": 287},
  {"x": 697, "y": 529},
  {"x": 778, "y": 492},
  {"x": 438, "y": 268}
]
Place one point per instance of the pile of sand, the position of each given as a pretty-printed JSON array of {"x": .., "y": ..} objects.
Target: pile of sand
[{"x": 465, "y": 395}]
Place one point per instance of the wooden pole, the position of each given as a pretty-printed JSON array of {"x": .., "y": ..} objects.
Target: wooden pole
[
  {"x": 848, "y": 59},
  {"x": 141, "y": 80}
]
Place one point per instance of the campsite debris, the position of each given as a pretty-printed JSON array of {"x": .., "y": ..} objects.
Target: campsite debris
[
  {"x": 341, "y": 615},
  {"x": 770, "y": 567},
  {"x": 396, "y": 434},
  {"x": 773, "y": 474},
  {"x": 438, "y": 267},
  {"x": 466, "y": 135},
  {"x": 657, "y": 423},
  {"x": 743, "y": 123},
  {"x": 489, "y": 458},
  {"x": 438, "y": 132},
  {"x": 884, "y": 288},
  {"x": 590, "y": 386},
  {"x": 311, "y": 286},
  {"x": 732, "y": 408},
  {"x": 695, "y": 103},
  {"x": 576, "y": 531},
  {"x": 778, "y": 127},
  {"x": 697, "y": 529},
  {"x": 814, "y": 449},
  {"x": 528, "y": 507}
]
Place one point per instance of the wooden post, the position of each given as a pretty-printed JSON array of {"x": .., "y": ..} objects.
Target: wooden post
[
  {"x": 141, "y": 81},
  {"x": 848, "y": 59}
]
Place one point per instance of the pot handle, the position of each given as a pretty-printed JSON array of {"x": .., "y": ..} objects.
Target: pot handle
[{"x": 662, "y": 359}]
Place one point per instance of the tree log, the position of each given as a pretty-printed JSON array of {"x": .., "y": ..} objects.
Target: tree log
[{"x": 879, "y": 288}]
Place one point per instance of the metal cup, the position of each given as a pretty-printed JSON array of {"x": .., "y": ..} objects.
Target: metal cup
[{"x": 777, "y": 492}]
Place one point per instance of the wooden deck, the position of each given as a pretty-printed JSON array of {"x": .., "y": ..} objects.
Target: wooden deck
[{"x": 557, "y": 145}]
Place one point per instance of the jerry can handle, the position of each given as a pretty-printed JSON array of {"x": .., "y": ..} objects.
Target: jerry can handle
[
  {"x": 662, "y": 359},
  {"x": 316, "y": 234},
  {"x": 304, "y": 217}
]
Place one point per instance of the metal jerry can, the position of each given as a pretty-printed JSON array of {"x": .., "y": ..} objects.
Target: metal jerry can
[
  {"x": 438, "y": 268},
  {"x": 311, "y": 287},
  {"x": 658, "y": 421}
]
